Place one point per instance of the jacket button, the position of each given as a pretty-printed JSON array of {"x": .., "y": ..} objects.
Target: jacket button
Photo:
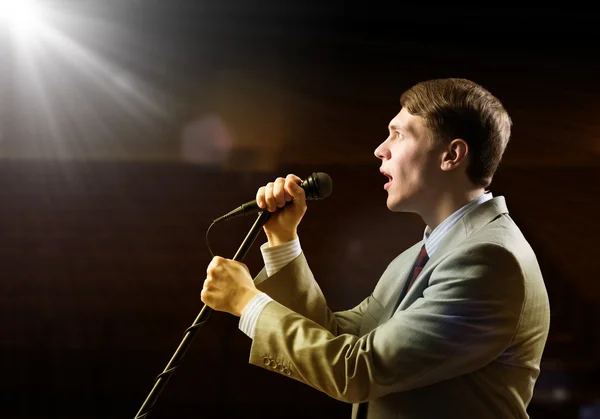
[
  {"x": 266, "y": 360},
  {"x": 286, "y": 371},
  {"x": 273, "y": 364}
]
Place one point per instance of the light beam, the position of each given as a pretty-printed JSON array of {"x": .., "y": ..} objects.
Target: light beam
[{"x": 23, "y": 17}]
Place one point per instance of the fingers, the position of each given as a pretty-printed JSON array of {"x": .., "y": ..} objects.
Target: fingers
[
  {"x": 269, "y": 198},
  {"x": 220, "y": 265},
  {"x": 228, "y": 286},
  {"x": 211, "y": 283},
  {"x": 293, "y": 188},
  {"x": 214, "y": 264},
  {"x": 205, "y": 293},
  {"x": 260, "y": 198},
  {"x": 279, "y": 192},
  {"x": 275, "y": 194}
]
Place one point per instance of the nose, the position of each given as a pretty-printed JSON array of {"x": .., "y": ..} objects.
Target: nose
[{"x": 382, "y": 151}]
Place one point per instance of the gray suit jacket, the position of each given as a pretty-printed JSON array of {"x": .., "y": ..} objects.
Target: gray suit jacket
[{"x": 465, "y": 342}]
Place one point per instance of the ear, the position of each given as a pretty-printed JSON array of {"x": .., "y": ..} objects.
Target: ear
[{"x": 455, "y": 154}]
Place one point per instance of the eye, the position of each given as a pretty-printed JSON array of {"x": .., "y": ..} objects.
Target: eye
[{"x": 395, "y": 135}]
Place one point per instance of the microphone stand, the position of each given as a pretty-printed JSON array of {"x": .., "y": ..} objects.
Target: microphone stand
[{"x": 190, "y": 332}]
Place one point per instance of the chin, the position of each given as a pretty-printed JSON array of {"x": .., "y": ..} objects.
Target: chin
[
  {"x": 401, "y": 203},
  {"x": 395, "y": 205}
]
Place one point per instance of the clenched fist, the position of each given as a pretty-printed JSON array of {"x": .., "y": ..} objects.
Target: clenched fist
[
  {"x": 228, "y": 286},
  {"x": 283, "y": 224}
]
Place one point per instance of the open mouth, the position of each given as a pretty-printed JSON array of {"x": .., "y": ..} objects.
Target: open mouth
[{"x": 389, "y": 179}]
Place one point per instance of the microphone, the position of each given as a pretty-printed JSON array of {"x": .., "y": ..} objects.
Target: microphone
[{"x": 316, "y": 186}]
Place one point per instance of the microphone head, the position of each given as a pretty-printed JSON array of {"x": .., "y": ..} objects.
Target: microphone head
[{"x": 317, "y": 186}]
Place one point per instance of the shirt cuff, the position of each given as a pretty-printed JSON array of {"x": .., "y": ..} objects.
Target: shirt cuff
[
  {"x": 251, "y": 312},
  {"x": 276, "y": 257}
]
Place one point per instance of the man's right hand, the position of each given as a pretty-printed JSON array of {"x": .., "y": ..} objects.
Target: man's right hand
[{"x": 283, "y": 224}]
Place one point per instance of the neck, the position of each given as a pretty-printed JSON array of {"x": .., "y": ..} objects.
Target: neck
[{"x": 447, "y": 203}]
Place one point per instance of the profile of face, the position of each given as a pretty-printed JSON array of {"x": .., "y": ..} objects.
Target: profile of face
[{"x": 410, "y": 159}]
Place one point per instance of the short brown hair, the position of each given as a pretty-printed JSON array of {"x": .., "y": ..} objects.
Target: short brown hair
[{"x": 459, "y": 108}]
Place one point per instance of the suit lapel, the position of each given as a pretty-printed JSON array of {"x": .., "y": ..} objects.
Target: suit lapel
[
  {"x": 400, "y": 275},
  {"x": 470, "y": 222}
]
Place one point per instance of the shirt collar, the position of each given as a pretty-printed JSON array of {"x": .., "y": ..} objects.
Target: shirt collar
[{"x": 433, "y": 238}]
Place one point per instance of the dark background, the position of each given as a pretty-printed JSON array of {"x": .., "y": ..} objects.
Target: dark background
[{"x": 126, "y": 127}]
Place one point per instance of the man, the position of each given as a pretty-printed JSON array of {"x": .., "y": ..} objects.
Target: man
[{"x": 456, "y": 325}]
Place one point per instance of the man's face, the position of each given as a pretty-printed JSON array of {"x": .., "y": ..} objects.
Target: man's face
[{"x": 410, "y": 158}]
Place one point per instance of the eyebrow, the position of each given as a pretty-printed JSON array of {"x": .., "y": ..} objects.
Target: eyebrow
[{"x": 404, "y": 128}]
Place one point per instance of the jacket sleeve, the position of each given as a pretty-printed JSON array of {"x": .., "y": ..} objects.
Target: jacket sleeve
[
  {"x": 465, "y": 319},
  {"x": 294, "y": 287}
]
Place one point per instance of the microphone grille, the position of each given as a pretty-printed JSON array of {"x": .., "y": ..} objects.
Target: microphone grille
[{"x": 317, "y": 186}]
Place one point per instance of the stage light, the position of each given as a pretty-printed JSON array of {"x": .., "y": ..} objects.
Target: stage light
[
  {"x": 22, "y": 16},
  {"x": 64, "y": 89}
]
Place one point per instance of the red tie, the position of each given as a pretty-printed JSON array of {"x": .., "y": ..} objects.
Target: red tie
[
  {"x": 414, "y": 273},
  {"x": 421, "y": 261}
]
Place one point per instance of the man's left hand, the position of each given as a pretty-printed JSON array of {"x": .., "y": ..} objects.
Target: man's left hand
[{"x": 228, "y": 286}]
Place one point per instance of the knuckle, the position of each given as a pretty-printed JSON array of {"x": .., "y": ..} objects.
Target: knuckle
[{"x": 260, "y": 196}]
